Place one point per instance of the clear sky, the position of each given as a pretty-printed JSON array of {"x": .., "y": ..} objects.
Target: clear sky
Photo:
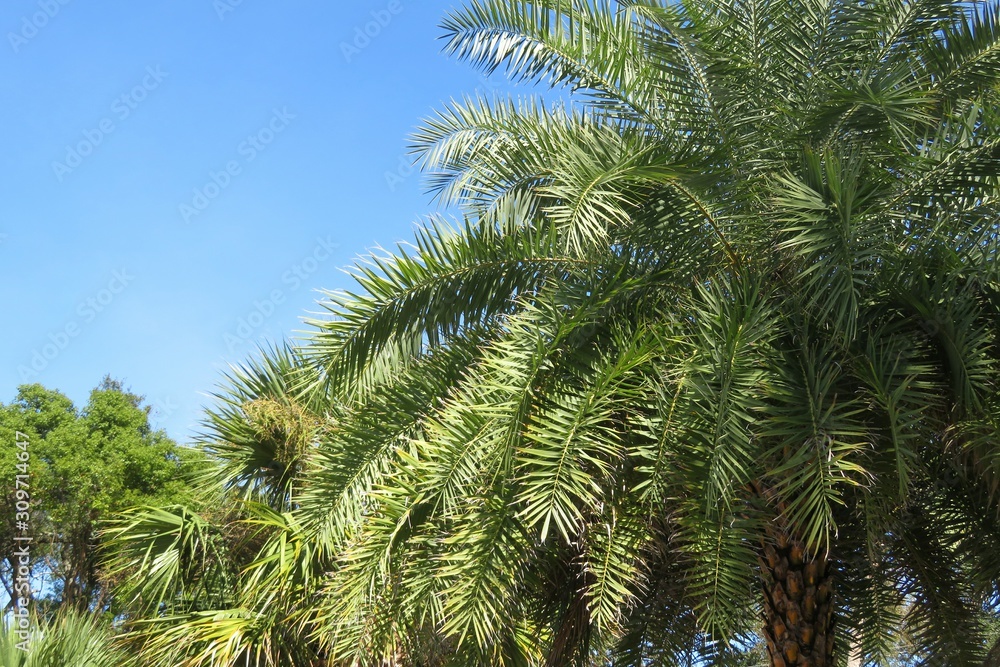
[{"x": 179, "y": 177}]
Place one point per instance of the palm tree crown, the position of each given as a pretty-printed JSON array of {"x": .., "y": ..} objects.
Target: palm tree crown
[{"x": 713, "y": 356}]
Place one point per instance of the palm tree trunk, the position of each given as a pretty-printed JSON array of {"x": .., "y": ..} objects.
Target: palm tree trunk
[
  {"x": 993, "y": 659},
  {"x": 798, "y": 610}
]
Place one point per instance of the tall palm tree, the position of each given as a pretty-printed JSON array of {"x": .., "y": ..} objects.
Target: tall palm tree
[
  {"x": 709, "y": 371},
  {"x": 715, "y": 353}
]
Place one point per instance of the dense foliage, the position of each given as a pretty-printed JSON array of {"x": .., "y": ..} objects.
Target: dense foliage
[
  {"x": 708, "y": 374},
  {"x": 83, "y": 466}
]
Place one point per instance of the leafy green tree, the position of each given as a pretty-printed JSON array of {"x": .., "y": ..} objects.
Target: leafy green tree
[
  {"x": 713, "y": 359},
  {"x": 84, "y": 466}
]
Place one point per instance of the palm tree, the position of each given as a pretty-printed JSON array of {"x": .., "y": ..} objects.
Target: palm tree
[
  {"x": 709, "y": 371},
  {"x": 68, "y": 640},
  {"x": 222, "y": 583},
  {"x": 715, "y": 352}
]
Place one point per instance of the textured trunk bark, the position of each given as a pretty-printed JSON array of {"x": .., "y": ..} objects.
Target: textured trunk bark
[
  {"x": 993, "y": 659},
  {"x": 798, "y": 610}
]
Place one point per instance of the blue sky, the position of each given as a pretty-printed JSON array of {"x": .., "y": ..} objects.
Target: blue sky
[{"x": 179, "y": 177}]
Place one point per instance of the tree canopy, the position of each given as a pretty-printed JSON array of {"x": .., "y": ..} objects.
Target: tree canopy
[{"x": 84, "y": 466}]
